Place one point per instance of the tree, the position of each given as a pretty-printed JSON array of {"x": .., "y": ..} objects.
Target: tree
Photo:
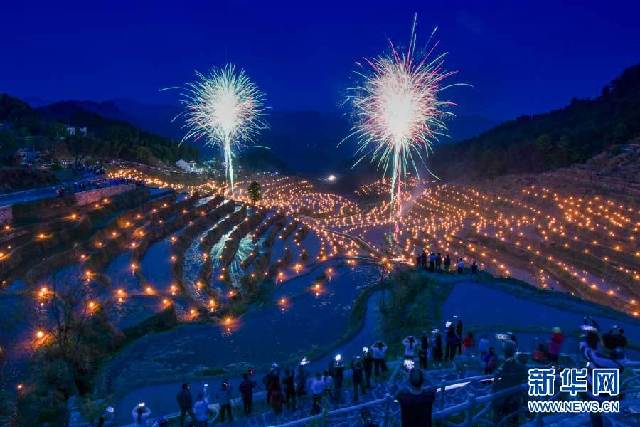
[{"x": 254, "y": 191}]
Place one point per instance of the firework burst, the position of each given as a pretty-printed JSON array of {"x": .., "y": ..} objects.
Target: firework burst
[
  {"x": 226, "y": 109},
  {"x": 399, "y": 114}
]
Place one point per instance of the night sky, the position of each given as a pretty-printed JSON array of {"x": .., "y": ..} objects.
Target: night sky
[{"x": 521, "y": 56}]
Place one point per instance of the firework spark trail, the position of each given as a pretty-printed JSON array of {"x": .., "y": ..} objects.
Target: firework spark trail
[
  {"x": 226, "y": 109},
  {"x": 398, "y": 111}
]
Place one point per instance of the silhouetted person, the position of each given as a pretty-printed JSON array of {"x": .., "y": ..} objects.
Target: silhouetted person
[
  {"x": 459, "y": 335},
  {"x": 490, "y": 361},
  {"x": 437, "y": 353},
  {"x": 289, "y": 390},
  {"x": 416, "y": 403},
  {"x": 185, "y": 403},
  {"x": 447, "y": 263},
  {"x": 439, "y": 262},
  {"x": 432, "y": 262},
  {"x": 357, "y": 376},
  {"x": 317, "y": 390},
  {"x": 277, "y": 398},
  {"x": 510, "y": 374},
  {"x": 451, "y": 343},
  {"x": 423, "y": 259},
  {"x": 246, "y": 391},
  {"x": 379, "y": 350},
  {"x": 367, "y": 362},
  {"x": 224, "y": 397},
  {"x": 301, "y": 381}
]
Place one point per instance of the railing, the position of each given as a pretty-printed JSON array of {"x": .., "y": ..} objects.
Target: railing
[{"x": 457, "y": 396}]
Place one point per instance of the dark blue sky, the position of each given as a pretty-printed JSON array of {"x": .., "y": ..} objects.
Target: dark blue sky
[{"x": 521, "y": 56}]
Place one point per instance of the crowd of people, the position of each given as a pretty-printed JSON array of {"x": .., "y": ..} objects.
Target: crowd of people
[
  {"x": 297, "y": 389},
  {"x": 286, "y": 389},
  {"x": 436, "y": 263}
]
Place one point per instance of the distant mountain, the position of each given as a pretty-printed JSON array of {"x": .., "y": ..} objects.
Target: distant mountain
[
  {"x": 106, "y": 137},
  {"x": 305, "y": 142},
  {"x": 542, "y": 142}
]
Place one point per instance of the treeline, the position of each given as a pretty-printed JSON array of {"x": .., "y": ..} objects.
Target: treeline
[
  {"x": 45, "y": 128},
  {"x": 538, "y": 143}
]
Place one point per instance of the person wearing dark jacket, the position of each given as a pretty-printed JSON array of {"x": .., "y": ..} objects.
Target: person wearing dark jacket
[
  {"x": 224, "y": 397},
  {"x": 337, "y": 374},
  {"x": 379, "y": 350},
  {"x": 459, "y": 334},
  {"x": 423, "y": 352},
  {"x": 246, "y": 391},
  {"x": 451, "y": 343},
  {"x": 367, "y": 363},
  {"x": 301, "y": 380},
  {"x": 437, "y": 349},
  {"x": 185, "y": 403},
  {"x": 510, "y": 374},
  {"x": 416, "y": 403},
  {"x": 271, "y": 380},
  {"x": 289, "y": 383},
  {"x": 357, "y": 376},
  {"x": 277, "y": 398}
]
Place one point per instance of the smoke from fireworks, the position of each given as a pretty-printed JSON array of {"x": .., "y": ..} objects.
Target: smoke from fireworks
[
  {"x": 398, "y": 111},
  {"x": 226, "y": 109}
]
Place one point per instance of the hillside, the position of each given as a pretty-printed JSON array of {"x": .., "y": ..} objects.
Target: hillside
[
  {"x": 303, "y": 141},
  {"x": 44, "y": 128},
  {"x": 538, "y": 143}
]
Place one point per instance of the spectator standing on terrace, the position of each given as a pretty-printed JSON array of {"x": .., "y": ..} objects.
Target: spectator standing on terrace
[
  {"x": 367, "y": 362},
  {"x": 301, "y": 380},
  {"x": 447, "y": 263},
  {"x": 201, "y": 411},
  {"x": 277, "y": 398},
  {"x": 271, "y": 380},
  {"x": 338, "y": 380},
  {"x": 357, "y": 376},
  {"x": 410, "y": 344},
  {"x": 510, "y": 374},
  {"x": 432, "y": 262},
  {"x": 328, "y": 384},
  {"x": 483, "y": 346},
  {"x": 246, "y": 391},
  {"x": 621, "y": 340},
  {"x": 452, "y": 343},
  {"x": 437, "y": 349},
  {"x": 317, "y": 390},
  {"x": 185, "y": 403},
  {"x": 423, "y": 259},
  {"x": 224, "y": 397},
  {"x": 555, "y": 344},
  {"x": 379, "y": 350},
  {"x": 439, "y": 262},
  {"x": 416, "y": 403},
  {"x": 460, "y": 266},
  {"x": 459, "y": 335},
  {"x": 423, "y": 353},
  {"x": 474, "y": 267},
  {"x": 490, "y": 361},
  {"x": 289, "y": 383}
]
